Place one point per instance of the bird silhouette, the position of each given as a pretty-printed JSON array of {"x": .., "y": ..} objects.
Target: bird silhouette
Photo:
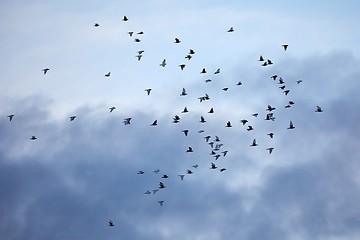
[
  {"x": 271, "y": 135},
  {"x": 11, "y": 116},
  {"x": 285, "y": 46},
  {"x": 45, "y": 70},
  {"x": 177, "y": 40},
  {"x": 161, "y": 185},
  {"x": 183, "y": 92},
  {"x": 112, "y": 109},
  {"x": 33, "y": 138},
  {"x": 161, "y": 203},
  {"x": 72, "y": 118},
  {"x": 261, "y": 59},
  {"x": 163, "y": 63},
  {"x": 228, "y": 124},
  {"x": 185, "y": 110},
  {"x": 111, "y": 224},
  {"x": 217, "y": 71},
  {"x": 130, "y": 33},
  {"x": 254, "y": 144},
  {"x": 181, "y": 176},
  {"x": 291, "y": 125},
  {"x": 211, "y": 110},
  {"x": 222, "y": 169},
  {"x": 107, "y": 75},
  {"x": 154, "y": 123},
  {"x": 148, "y": 90},
  {"x": 140, "y": 172},
  {"x": 127, "y": 121},
  {"x": 202, "y": 119},
  {"x": 189, "y": 150},
  {"x": 125, "y": 18},
  {"x": 96, "y": 24},
  {"x": 203, "y": 71},
  {"x": 213, "y": 166},
  {"x": 270, "y": 150},
  {"x": 319, "y": 109},
  {"x": 182, "y": 66},
  {"x": 186, "y": 131},
  {"x": 231, "y": 29}
]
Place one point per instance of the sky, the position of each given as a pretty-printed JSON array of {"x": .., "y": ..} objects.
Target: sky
[{"x": 78, "y": 175}]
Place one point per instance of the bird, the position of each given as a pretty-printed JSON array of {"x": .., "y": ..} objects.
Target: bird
[
  {"x": 112, "y": 109},
  {"x": 217, "y": 156},
  {"x": 11, "y": 116},
  {"x": 155, "y": 191},
  {"x": 285, "y": 46},
  {"x": 270, "y": 116},
  {"x": 176, "y": 119},
  {"x": 148, "y": 90},
  {"x": 228, "y": 124},
  {"x": 249, "y": 128},
  {"x": 195, "y": 166},
  {"x": 202, "y": 119},
  {"x": 140, "y": 172},
  {"x": 281, "y": 81},
  {"x": 148, "y": 192},
  {"x": 163, "y": 63},
  {"x": 182, "y": 66},
  {"x": 189, "y": 150},
  {"x": 96, "y": 25},
  {"x": 165, "y": 176},
  {"x": 271, "y": 135},
  {"x": 203, "y": 71},
  {"x": 254, "y": 144},
  {"x": 243, "y": 121},
  {"x": 139, "y": 56},
  {"x": 207, "y": 80},
  {"x": 255, "y": 114},
  {"x": 286, "y": 92},
  {"x": 222, "y": 169},
  {"x": 107, "y": 75},
  {"x": 217, "y": 71},
  {"x": 177, "y": 40},
  {"x": 201, "y": 131},
  {"x": 186, "y": 131},
  {"x": 127, "y": 121},
  {"x": 211, "y": 110},
  {"x": 72, "y": 118},
  {"x": 45, "y": 70},
  {"x": 33, "y": 138},
  {"x": 110, "y": 223},
  {"x": 137, "y": 40},
  {"x": 140, "y": 51},
  {"x": 318, "y": 109},
  {"x": 261, "y": 59},
  {"x": 270, "y": 108},
  {"x": 224, "y": 153},
  {"x": 161, "y": 185},
  {"x": 225, "y": 89},
  {"x": 161, "y": 202},
  {"x": 282, "y": 87},
  {"x": 154, "y": 123},
  {"x": 291, "y": 125},
  {"x": 231, "y": 29},
  {"x": 125, "y": 18},
  {"x": 239, "y": 83},
  {"x": 270, "y": 150},
  {"x": 269, "y": 62},
  {"x": 157, "y": 171},
  {"x": 191, "y": 51},
  {"x": 188, "y": 171},
  {"x": 185, "y": 110},
  {"x": 181, "y": 176},
  {"x": 183, "y": 93},
  {"x": 188, "y": 57},
  {"x": 299, "y": 81},
  {"x": 207, "y": 138},
  {"x": 213, "y": 166},
  {"x": 130, "y": 33},
  {"x": 274, "y": 77},
  {"x": 141, "y": 32}
]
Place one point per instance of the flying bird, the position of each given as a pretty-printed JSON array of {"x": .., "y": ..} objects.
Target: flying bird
[
  {"x": 285, "y": 46},
  {"x": 270, "y": 108},
  {"x": 231, "y": 29},
  {"x": 191, "y": 51},
  {"x": 188, "y": 171},
  {"x": 182, "y": 66},
  {"x": 271, "y": 135},
  {"x": 148, "y": 192},
  {"x": 148, "y": 90},
  {"x": 107, "y": 75},
  {"x": 217, "y": 71},
  {"x": 45, "y": 70},
  {"x": 96, "y": 25},
  {"x": 110, "y": 223},
  {"x": 130, "y": 33},
  {"x": 299, "y": 81},
  {"x": 163, "y": 63},
  {"x": 189, "y": 150},
  {"x": 186, "y": 131},
  {"x": 140, "y": 172},
  {"x": 224, "y": 153},
  {"x": 141, "y": 32},
  {"x": 176, "y": 119},
  {"x": 157, "y": 171},
  {"x": 185, "y": 110},
  {"x": 33, "y": 138},
  {"x": 195, "y": 166},
  {"x": 161, "y": 203},
  {"x": 112, "y": 109},
  {"x": 137, "y": 40},
  {"x": 125, "y": 18},
  {"x": 161, "y": 185},
  {"x": 250, "y": 128},
  {"x": 188, "y": 57},
  {"x": 127, "y": 121},
  {"x": 225, "y": 89},
  {"x": 11, "y": 116},
  {"x": 228, "y": 124},
  {"x": 203, "y": 71},
  {"x": 291, "y": 126},
  {"x": 183, "y": 93},
  {"x": 254, "y": 144},
  {"x": 270, "y": 150},
  {"x": 139, "y": 56},
  {"x": 72, "y": 118},
  {"x": 211, "y": 110},
  {"x": 261, "y": 59},
  {"x": 243, "y": 121},
  {"x": 177, "y": 40},
  {"x": 154, "y": 123},
  {"x": 318, "y": 109},
  {"x": 202, "y": 119},
  {"x": 222, "y": 169},
  {"x": 165, "y": 176},
  {"x": 213, "y": 166},
  {"x": 181, "y": 176}
]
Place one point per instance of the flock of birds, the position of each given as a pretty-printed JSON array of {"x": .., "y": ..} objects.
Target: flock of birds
[{"x": 216, "y": 146}]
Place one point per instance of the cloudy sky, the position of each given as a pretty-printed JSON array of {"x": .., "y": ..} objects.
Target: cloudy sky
[{"x": 77, "y": 175}]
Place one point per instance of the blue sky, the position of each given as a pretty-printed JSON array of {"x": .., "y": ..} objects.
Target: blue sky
[{"x": 77, "y": 175}]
